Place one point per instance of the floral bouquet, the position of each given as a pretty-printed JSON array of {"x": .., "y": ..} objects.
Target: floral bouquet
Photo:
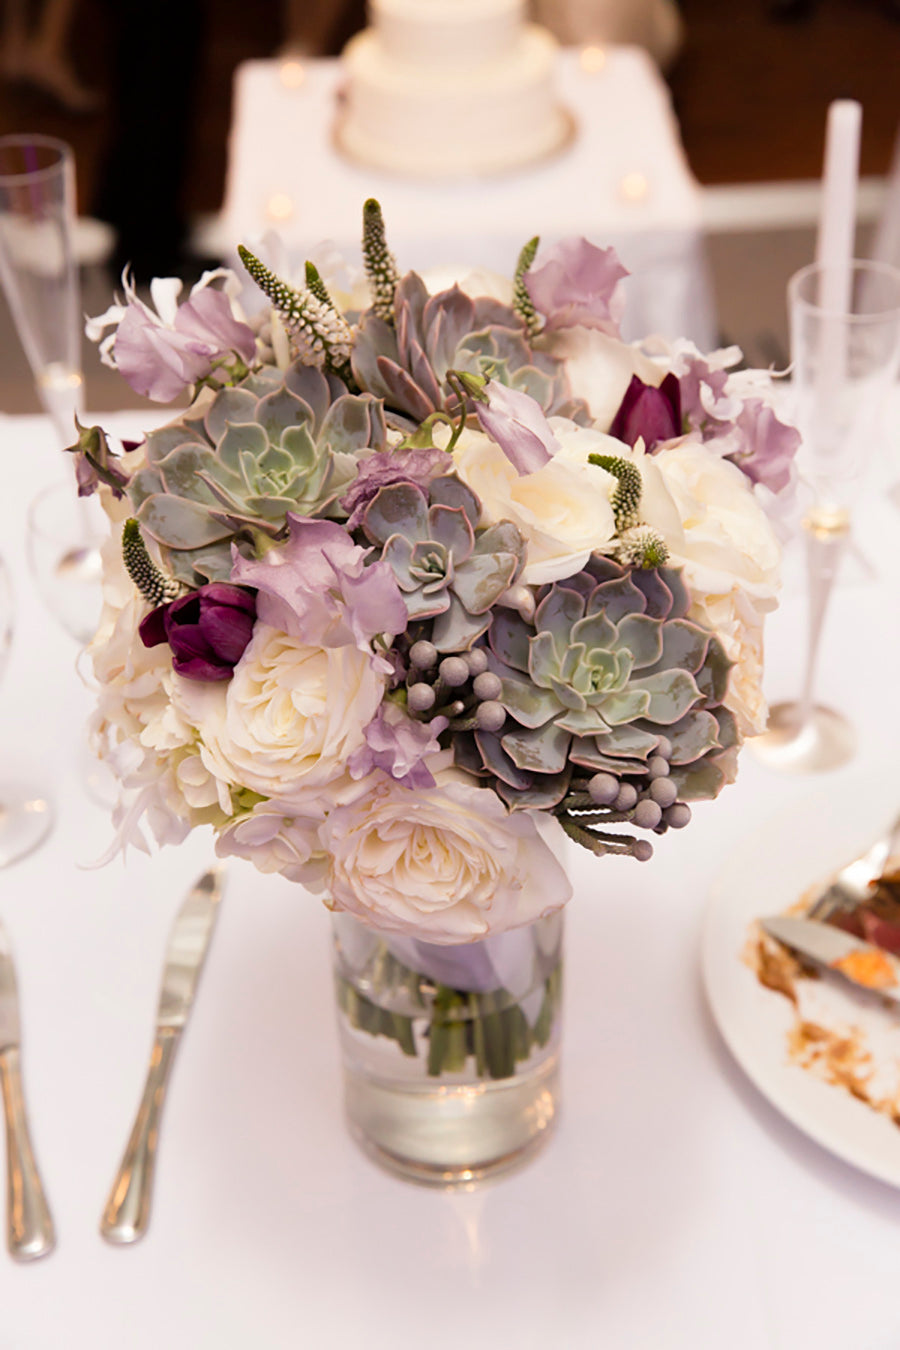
[{"x": 418, "y": 586}]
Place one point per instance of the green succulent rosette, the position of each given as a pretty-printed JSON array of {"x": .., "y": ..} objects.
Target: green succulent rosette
[
  {"x": 607, "y": 674},
  {"x": 276, "y": 442},
  {"x": 406, "y": 362}
]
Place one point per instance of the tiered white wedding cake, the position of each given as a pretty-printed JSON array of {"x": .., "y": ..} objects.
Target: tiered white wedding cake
[{"x": 444, "y": 87}]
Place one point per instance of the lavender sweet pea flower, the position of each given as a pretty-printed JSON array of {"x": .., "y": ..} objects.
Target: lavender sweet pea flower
[
  {"x": 162, "y": 351},
  {"x": 208, "y": 630},
  {"x": 516, "y": 422},
  {"x": 648, "y": 413},
  {"x": 317, "y": 588},
  {"x": 418, "y": 467},
  {"x": 768, "y": 446},
  {"x": 398, "y": 745},
  {"x": 576, "y": 283}
]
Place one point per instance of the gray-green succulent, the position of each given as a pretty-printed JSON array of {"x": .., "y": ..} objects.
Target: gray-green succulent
[
  {"x": 448, "y": 569},
  {"x": 278, "y": 441},
  {"x": 608, "y": 666},
  {"x": 406, "y": 362}
]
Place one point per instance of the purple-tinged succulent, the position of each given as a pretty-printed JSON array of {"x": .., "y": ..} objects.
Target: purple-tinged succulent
[
  {"x": 447, "y": 568},
  {"x": 406, "y": 363},
  {"x": 648, "y": 413},
  {"x": 208, "y": 630},
  {"x": 575, "y": 284},
  {"x": 279, "y": 441},
  {"x": 607, "y": 671}
]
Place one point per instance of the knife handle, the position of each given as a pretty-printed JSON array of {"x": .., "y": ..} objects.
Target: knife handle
[
  {"x": 127, "y": 1211},
  {"x": 29, "y": 1226}
]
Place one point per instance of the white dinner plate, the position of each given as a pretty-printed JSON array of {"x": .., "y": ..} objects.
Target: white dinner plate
[{"x": 770, "y": 871}]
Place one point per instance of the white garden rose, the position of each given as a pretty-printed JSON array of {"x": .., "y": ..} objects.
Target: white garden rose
[
  {"x": 600, "y": 367},
  {"x": 716, "y": 530},
  {"x": 286, "y": 722},
  {"x": 136, "y": 727},
  {"x": 562, "y": 510},
  {"x": 449, "y": 862}
]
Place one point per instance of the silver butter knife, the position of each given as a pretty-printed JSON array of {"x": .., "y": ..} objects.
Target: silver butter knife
[
  {"x": 127, "y": 1211},
  {"x": 860, "y": 962},
  {"x": 29, "y": 1227}
]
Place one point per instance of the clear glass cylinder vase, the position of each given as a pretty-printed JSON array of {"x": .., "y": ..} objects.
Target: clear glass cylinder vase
[{"x": 450, "y": 1053}]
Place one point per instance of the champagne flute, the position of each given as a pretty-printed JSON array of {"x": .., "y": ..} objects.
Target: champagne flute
[
  {"x": 25, "y": 815},
  {"x": 38, "y": 270},
  {"x": 844, "y": 362},
  {"x": 40, "y": 277}
]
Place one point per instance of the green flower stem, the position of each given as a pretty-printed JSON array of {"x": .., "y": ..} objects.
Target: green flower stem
[{"x": 489, "y": 1028}]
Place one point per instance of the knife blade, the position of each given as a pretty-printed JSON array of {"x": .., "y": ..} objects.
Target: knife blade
[
  {"x": 127, "y": 1212},
  {"x": 29, "y": 1225},
  {"x": 866, "y": 966}
]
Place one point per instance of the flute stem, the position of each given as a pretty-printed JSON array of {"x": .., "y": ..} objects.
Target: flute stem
[{"x": 827, "y": 530}]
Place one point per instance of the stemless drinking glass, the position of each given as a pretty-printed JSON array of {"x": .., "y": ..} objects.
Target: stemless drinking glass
[
  {"x": 38, "y": 271},
  {"x": 25, "y": 815},
  {"x": 844, "y": 361}
]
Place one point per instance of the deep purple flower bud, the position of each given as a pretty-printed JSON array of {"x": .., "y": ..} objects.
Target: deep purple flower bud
[
  {"x": 648, "y": 413},
  {"x": 207, "y": 629}
]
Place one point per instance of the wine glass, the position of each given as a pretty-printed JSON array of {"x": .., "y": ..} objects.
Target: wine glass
[
  {"x": 844, "y": 361},
  {"x": 25, "y": 815}
]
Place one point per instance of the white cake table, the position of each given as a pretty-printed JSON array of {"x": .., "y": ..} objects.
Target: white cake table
[
  {"x": 623, "y": 180},
  {"x": 674, "y": 1209}
]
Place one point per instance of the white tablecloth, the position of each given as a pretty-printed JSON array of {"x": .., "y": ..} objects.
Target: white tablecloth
[
  {"x": 673, "y": 1208},
  {"x": 624, "y": 181}
]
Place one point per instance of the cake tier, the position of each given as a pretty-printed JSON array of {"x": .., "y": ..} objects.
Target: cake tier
[
  {"x": 459, "y": 33},
  {"x": 433, "y": 120}
]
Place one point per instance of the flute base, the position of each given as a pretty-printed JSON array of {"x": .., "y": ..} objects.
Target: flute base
[
  {"x": 25, "y": 820},
  {"x": 825, "y": 740}
]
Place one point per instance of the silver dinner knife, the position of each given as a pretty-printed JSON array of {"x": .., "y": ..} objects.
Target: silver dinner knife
[
  {"x": 127, "y": 1211},
  {"x": 29, "y": 1226},
  {"x": 836, "y": 950}
]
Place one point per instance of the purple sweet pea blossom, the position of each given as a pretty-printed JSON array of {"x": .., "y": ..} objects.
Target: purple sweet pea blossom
[
  {"x": 317, "y": 588},
  {"x": 162, "y": 351},
  {"x": 767, "y": 446},
  {"x": 648, "y": 413},
  {"x": 516, "y": 422},
  {"x": 398, "y": 745},
  {"x": 576, "y": 283},
  {"x": 207, "y": 629},
  {"x": 418, "y": 467}
]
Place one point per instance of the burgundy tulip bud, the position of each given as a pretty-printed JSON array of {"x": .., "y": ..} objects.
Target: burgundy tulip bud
[
  {"x": 649, "y": 414},
  {"x": 208, "y": 629}
]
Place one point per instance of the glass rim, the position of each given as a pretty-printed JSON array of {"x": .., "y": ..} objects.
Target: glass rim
[
  {"x": 63, "y": 149},
  {"x": 870, "y": 266}
]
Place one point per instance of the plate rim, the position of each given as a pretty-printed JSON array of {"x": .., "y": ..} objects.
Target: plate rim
[{"x": 768, "y": 1069}]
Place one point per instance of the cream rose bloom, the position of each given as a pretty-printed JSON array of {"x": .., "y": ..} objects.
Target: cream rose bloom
[
  {"x": 600, "y": 368},
  {"x": 718, "y": 533},
  {"x": 137, "y": 728},
  {"x": 563, "y": 510},
  {"x": 449, "y": 864},
  {"x": 286, "y": 722}
]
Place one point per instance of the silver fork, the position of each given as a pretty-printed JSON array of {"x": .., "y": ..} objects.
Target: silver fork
[{"x": 843, "y": 892}]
